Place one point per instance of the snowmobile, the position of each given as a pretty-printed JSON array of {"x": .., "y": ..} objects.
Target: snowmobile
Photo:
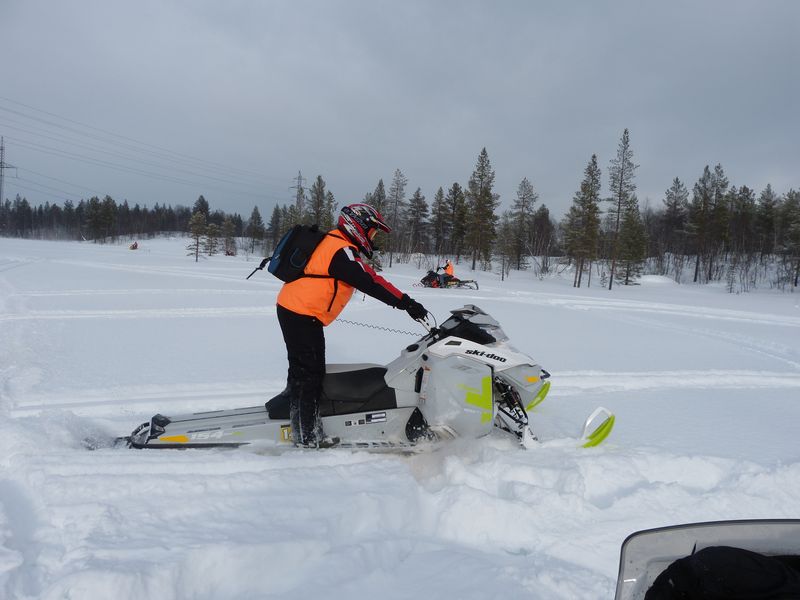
[
  {"x": 461, "y": 379},
  {"x": 749, "y": 557},
  {"x": 432, "y": 280}
]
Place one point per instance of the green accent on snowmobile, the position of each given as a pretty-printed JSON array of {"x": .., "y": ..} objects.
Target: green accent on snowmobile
[
  {"x": 537, "y": 400},
  {"x": 481, "y": 398},
  {"x": 601, "y": 433}
]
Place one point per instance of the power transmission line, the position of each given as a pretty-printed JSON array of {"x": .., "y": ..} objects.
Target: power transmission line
[
  {"x": 46, "y": 125},
  {"x": 300, "y": 196},
  {"x": 3, "y": 166}
]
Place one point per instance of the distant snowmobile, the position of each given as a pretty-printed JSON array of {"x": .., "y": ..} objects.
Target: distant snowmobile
[
  {"x": 433, "y": 280},
  {"x": 461, "y": 379}
]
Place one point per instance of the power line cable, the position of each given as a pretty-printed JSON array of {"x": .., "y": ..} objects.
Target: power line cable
[
  {"x": 123, "y": 168},
  {"x": 90, "y": 190},
  {"x": 12, "y": 183},
  {"x": 125, "y": 157},
  {"x": 115, "y": 135},
  {"x": 136, "y": 146},
  {"x": 115, "y": 150}
]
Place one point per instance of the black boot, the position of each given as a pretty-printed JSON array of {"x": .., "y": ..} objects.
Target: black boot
[
  {"x": 304, "y": 414},
  {"x": 312, "y": 436}
]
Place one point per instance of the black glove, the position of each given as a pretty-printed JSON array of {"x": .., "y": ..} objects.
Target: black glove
[{"x": 414, "y": 309}]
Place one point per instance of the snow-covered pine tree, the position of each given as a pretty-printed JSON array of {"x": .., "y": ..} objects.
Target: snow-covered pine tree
[
  {"x": 767, "y": 218},
  {"x": 315, "y": 213},
  {"x": 742, "y": 236},
  {"x": 699, "y": 221},
  {"x": 229, "y": 236},
  {"x": 377, "y": 199},
  {"x": 522, "y": 220},
  {"x": 417, "y": 223},
  {"x": 255, "y": 228},
  {"x": 621, "y": 184},
  {"x": 543, "y": 236},
  {"x": 201, "y": 204},
  {"x": 274, "y": 230},
  {"x": 197, "y": 229},
  {"x": 395, "y": 204},
  {"x": 789, "y": 218},
  {"x": 456, "y": 203},
  {"x": 506, "y": 244},
  {"x": 440, "y": 223},
  {"x": 676, "y": 210},
  {"x": 293, "y": 217},
  {"x": 94, "y": 218},
  {"x": 481, "y": 205},
  {"x": 329, "y": 217},
  {"x": 582, "y": 223},
  {"x": 211, "y": 239},
  {"x": 720, "y": 217},
  {"x": 632, "y": 243}
]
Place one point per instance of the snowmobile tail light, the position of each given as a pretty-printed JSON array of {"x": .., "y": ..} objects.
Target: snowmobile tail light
[{"x": 174, "y": 439}]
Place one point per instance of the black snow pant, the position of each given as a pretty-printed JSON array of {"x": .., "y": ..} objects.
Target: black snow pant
[{"x": 305, "y": 347}]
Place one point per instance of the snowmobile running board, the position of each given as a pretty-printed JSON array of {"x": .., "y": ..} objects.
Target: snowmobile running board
[{"x": 596, "y": 429}]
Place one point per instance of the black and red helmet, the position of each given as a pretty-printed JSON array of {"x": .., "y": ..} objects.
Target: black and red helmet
[{"x": 360, "y": 223}]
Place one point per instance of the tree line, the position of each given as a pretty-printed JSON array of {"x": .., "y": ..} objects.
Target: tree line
[
  {"x": 101, "y": 220},
  {"x": 716, "y": 232},
  {"x": 460, "y": 222}
]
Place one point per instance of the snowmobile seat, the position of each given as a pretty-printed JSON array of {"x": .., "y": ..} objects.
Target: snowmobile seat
[{"x": 344, "y": 393}]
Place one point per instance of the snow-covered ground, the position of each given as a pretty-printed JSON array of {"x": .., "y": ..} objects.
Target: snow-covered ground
[{"x": 95, "y": 339}]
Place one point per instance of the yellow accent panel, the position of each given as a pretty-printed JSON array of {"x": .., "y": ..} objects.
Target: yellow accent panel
[
  {"x": 539, "y": 397},
  {"x": 177, "y": 439},
  {"x": 601, "y": 433},
  {"x": 481, "y": 398}
]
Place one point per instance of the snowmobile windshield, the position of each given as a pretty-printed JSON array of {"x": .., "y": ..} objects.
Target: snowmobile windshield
[{"x": 471, "y": 323}]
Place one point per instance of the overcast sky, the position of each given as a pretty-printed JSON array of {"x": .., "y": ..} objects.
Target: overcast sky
[{"x": 164, "y": 100}]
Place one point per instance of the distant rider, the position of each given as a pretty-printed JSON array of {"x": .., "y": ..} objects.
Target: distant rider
[
  {"x": 447, "y": 275},
  {"x": 308, "y": 304}
]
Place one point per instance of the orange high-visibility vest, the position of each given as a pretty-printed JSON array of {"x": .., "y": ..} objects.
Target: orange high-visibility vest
[
  {"x": 448, "y": 268},
  {"x": 320, "y": 297}
]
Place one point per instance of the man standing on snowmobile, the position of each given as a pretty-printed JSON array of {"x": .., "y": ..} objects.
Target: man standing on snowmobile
[{"x": 308, "y": 304}]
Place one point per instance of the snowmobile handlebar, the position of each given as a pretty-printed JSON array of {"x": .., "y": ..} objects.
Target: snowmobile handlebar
[{"x": 426, "y": 323}]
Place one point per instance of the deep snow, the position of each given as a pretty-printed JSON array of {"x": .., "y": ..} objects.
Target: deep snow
[{"x": 94, "y": 339}]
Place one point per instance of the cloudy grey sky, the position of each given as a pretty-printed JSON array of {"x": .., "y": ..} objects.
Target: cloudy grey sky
[{"x": 162, "y": 100}]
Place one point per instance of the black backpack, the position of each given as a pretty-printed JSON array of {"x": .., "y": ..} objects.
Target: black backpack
[{"x": 291, "y": 255}]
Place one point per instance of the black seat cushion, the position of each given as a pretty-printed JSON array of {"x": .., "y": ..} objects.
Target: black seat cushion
[{"x": 344, "y": 393}]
